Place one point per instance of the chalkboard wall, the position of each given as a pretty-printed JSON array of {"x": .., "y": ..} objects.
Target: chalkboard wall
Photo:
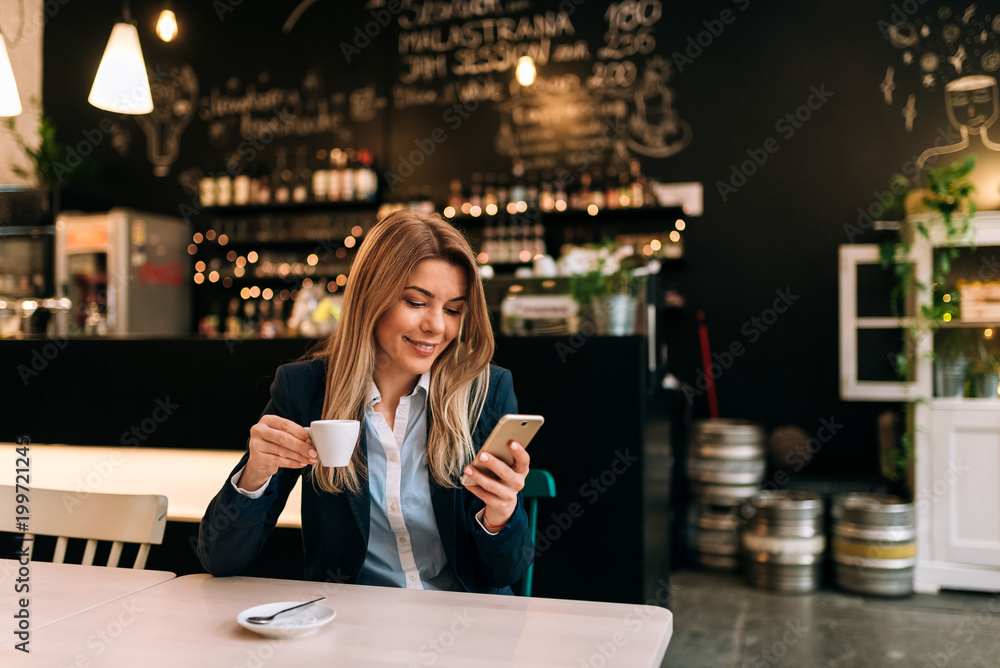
[{"x": 792, "y": 114}]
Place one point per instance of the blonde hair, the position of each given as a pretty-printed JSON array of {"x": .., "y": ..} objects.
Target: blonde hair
[{"x": 460, "y": 374}]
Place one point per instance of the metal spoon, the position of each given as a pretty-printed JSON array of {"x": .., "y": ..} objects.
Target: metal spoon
[{"x": 256, "y": 619}]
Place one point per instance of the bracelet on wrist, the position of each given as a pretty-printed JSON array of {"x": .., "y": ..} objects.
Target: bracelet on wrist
[{"x": 492, "y": 527}]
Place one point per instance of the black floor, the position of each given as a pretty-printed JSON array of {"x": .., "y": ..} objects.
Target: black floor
[{"x": 721, "y": 622}]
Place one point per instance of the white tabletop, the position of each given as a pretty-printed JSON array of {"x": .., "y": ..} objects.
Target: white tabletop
[
  {"x": 192, "y": 621},
  {"x": 58, "y": 591},
  {"x": 188, "y": 478}
]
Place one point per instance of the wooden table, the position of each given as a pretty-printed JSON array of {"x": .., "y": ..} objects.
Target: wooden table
[
  {"x": 59, "y": 591},
  {"x": 191, "y": 620},
  {"x": 188, "y": 478}
]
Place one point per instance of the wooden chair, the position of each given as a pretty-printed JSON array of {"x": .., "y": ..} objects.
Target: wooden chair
[
  {"x": 538, "y": 485},
  {"x": 119, "y": 518}
]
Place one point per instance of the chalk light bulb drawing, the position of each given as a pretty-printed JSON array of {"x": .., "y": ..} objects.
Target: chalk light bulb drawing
[
  {"x": 121, "y": 84},
  {"x": 525, "y": 71},
  {"x": 10, "y": 101},
  {"x": 166, "y": 25},
  {"x": 175, "y": 95}
]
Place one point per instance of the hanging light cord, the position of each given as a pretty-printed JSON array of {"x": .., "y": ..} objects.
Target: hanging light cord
[{"x": 20, "y": 25}]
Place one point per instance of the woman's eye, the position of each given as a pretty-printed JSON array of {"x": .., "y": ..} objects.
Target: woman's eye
[
  {"x": 414, "y": 304},
  {"x": 450, "y": 311}
]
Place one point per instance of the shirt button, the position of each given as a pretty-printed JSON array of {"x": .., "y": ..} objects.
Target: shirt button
[
  {"x": 402, "y": 411},
  {"x": 392, "y": 458},
  {"x": 392, "y": 506},
  {"x": 402, "y": 539},
  {"x": 412, "y": 577}
]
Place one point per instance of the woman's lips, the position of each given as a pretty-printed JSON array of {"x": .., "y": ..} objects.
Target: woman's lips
[{"x": 422, "y": 348}]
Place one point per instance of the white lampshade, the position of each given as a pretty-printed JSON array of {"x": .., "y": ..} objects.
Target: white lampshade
[
  {"x": 10, "y": 101},
  {"x": 121, "y": 84}
]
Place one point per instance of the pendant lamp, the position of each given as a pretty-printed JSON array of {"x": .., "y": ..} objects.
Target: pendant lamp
[
  {"x": 10, "y": 101},
  {"x": 121, "y": 84}
]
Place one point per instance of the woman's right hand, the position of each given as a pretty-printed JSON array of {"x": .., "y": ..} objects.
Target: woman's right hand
[{"x": 275, "y": 442}]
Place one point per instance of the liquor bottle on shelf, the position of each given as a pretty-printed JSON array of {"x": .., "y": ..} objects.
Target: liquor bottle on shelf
[
  {"x": 206, "y": 191},
  {"x": 476, "y": 190},
  {"x": 597, "y": 188},
  {"x": 586, "y": 194},
  {"x": 500, "y": 254},
  {"x": 321, "y": 178},
  {"x": 562, "y": 199},
  {"x": 624, "y": 190},
  {"x": 303, "y": 177},
  {"x": 223, "y": 189},
  {"x": 527, "y": 246},
  {"x": 368, "y": 178},
  {"x": 272, "y": 326},
  {"x": 546, "y": 198},
  {"x": 490, "y": 201},
  {"x": 611, "y": 189},
  {"x": 348, "y": 191},
  {"x": 455, "y": 199},
  {"x": 513, "y": 251},
  {"x": 518, "y": 190},
  {"x": 335, "y": 185},
  {"x": 503, "y": 192},
  {"x": 241, "y": 186},
  {"x": 233, "y": 318},
  {"x": 489, "y": 245},
  {"x": 637, "y": 185},
  {"x": 260, "y": 186},
  {"x": 248, "y": 323},
  {"x": 281, "y": 179},
  {"x": 531, "y": 192},
  {"x": 539, "y": 240}
]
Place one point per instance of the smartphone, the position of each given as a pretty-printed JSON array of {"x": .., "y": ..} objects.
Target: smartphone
[{"x": 520, "y": 428}]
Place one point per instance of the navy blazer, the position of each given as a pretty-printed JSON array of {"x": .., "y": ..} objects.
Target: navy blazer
[{"x": 335, "y": 526}]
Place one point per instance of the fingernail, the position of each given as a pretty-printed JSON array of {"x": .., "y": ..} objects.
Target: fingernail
[
  {"x": 313, "y": 454},
  {"x": 513, "y": 446},
  {"x": 468, "y": 470},
  {"x": 484, "y": 457}
]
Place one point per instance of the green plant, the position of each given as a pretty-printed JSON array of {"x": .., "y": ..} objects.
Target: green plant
[
  {"x": 50, "y": 160},
  {"x": 601, "y": 269},
  {"x": 946, "y": 196},
  {"x": 984, "y": 362}
]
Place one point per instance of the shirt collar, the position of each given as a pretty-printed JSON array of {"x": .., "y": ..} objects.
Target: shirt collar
[{"x": 424, "y": 382}]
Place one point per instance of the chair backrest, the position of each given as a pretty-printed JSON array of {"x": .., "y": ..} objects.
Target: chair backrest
[
  {"x": 538, "y": 485},
  {"x": 119, "y": 518}
]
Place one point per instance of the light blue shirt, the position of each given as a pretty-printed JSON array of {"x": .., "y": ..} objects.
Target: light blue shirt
[{"x": 404, "y": 545}]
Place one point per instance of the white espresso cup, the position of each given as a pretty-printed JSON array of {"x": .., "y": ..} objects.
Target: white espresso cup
[{"x": 334, "y": 440}]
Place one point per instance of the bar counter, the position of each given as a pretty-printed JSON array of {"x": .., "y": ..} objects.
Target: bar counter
[{"x": 599, "y": 539}]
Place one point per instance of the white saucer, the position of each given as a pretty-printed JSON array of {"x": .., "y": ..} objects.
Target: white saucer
[{"x": 291, "y": 624}]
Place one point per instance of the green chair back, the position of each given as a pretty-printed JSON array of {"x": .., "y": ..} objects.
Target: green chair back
[{"x": 538, "y": 485}]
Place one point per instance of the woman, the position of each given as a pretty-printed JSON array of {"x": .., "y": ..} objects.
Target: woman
[{"x": 411, "y": 360}]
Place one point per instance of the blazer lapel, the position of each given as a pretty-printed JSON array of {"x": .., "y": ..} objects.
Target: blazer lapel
[
  {"x": 444, "y": 502},
  {"x": 361, "y": 503}
]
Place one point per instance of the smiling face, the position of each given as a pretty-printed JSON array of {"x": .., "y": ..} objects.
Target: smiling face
[
  {"x": 972, "y": 101},
  {"x": 422, "y": 323}
]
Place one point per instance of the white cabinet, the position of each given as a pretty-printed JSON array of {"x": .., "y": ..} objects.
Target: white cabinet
[{"x": 957, "y": 445}]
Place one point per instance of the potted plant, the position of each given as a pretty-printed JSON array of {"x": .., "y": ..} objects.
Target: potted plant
[
  {"x": 604, "y": 281},
  {"x": 985, "y": 367},
  {"x": 950, "y": 363},
  {"x": 50, "y": 159}
]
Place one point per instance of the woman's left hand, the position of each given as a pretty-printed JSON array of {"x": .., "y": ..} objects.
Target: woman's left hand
[{"x": 499, "y": 493}]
